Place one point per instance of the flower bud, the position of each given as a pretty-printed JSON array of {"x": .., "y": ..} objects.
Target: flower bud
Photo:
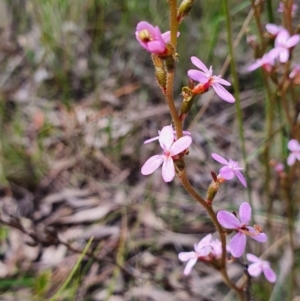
[
  {"x": 169, "y": 58},
  {"x": 160, "y": 72},
  {"x": 184, "y": 9},
  {"x": 186, "y": 105},
  {"x": 212, "y": 189}
]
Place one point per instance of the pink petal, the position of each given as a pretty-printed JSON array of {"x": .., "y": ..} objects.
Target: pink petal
[
  {"x": 152, "y": 164},
  {"x": 261, "y": 237},
  {"x": 204, "y": 251},
  {"x": 272, "y": 54},
  {"x": 198, "y": 76},
  {"x": 199, "y": 64},
  {"x": 253, "y": 258},
  {"x": 269, "y": 273},
  {"x": 185, "y": 256},
  {"x": 223, "y": 93},
  {"x": 167, "y": 36},
  {"x": 151, "y": 139},
  {"x": 166, "y": 137},
  {"x": 219, "y": 159},
  {"x": 281, "y": 38},
  {"x": 291, "y": 159},
  {"x": 226, "y": 173},
  {"x": 222, "y": 81},
  {"x": 255, "y": 65},
  {"x": 284, "y": 55},
  {"x": 255, "y": 269},
  {"x": 241, "y": 178},
  {"x": 293, "y": 145},
  {"x": 180, "y": 145},
  {"x": 143, "y": 25},
  {"x": 237, "y": 244},
  {"x": 156, "y": 47},
  {"x": 158, "y": 36},
  {"x": 273, "y": 29},
  {"x": 189, "y": 266},
  {"x": 228, "y": 220},
  {"x": 292, "y": 41},
  {"x": 204, "y": 241},
  {"x": 143, "y": 44},
  {"x": 186, "y": 133},
  {"x": 245, "y": 212},
  {"x": 168, "y": 170}
]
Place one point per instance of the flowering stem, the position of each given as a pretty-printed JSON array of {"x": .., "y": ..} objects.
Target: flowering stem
[
  {"x": 226, "y": 279},
  {"x": 178, "y": 127},
  {"x": 188, "y": 187}
]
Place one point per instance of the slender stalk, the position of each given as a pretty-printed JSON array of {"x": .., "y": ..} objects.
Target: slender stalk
[
  {"x": 288, "y": 15},
  {"x": 270, "y": 11},
  {"x": 120, "y": 256},
  {"x": 170, "y": 101},
  {"x": 269, "y": 112},
  {"x": 75, "y": 268},
  {"x": 269, "y": 105},
  {"x": 291, "y": 228},
  {"x": 171, "y": 74},
  {"x": 237, "y": 95},
  {"x": 286, "y": 109},
  {"x": 258, "y": 23},
  {"x": 282, "y": 89},
  {"x": 173, "y": 22}
]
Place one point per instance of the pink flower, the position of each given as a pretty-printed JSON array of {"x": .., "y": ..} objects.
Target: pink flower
[
  {"x": 267, "y": 62},
  {"x": 186, "y": 133},
  {"x": 295, "y": 74},
  {"x": 252, "y": 41},
  {"x": 171, "y": 149},
  {"x": 279, "y": 167},
  {"x": 230, "y": 169},
  {"x": 273, "y": 29},
  {"x": 207, "y": 80},
  {"x": 151, "y": 39},
  {"x": 206, "y": 250},
  {"x": 281, "y": 8},
  {"x": 229, "y": 221},
  {"x": 216, "y": 246},
  {"x": 294, "y": 147},
  {"x": 283, "y": 43},
  {"x": 259, "y": 266}
]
